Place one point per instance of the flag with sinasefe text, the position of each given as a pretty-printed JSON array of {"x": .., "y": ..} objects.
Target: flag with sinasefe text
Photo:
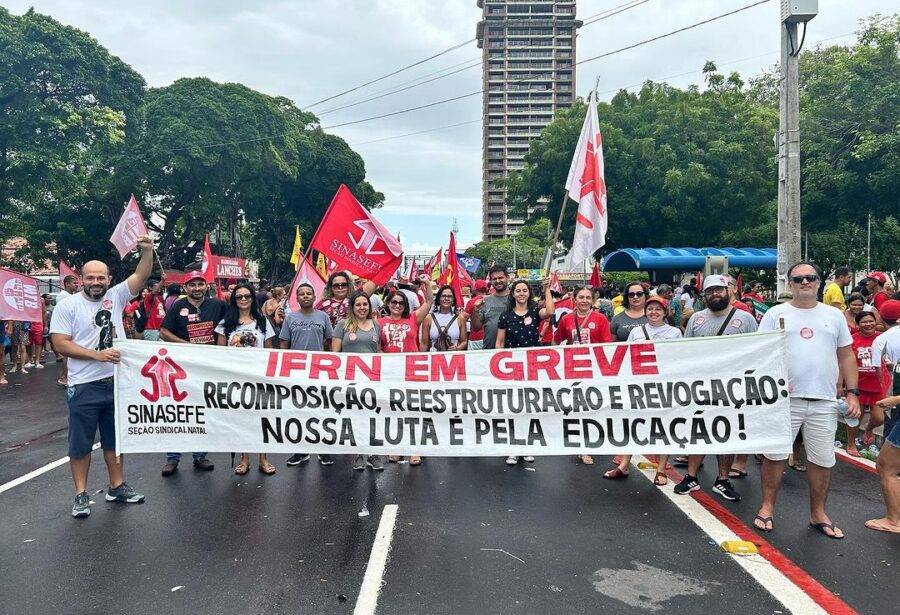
[
  {"x": 587, "y": 187},
  {"x": 131, "y": 226}
]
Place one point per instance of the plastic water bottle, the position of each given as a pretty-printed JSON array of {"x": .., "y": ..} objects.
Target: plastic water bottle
[{"x": 843, "y": 409}]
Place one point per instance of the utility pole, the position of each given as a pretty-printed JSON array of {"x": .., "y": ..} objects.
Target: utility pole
[{"x": 793, "y": 12}]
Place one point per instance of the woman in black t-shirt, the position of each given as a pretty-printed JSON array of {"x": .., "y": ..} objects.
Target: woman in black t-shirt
[{"x": 518, "y": 326}]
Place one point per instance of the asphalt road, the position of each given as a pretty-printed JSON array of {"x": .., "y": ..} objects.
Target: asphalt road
[{"x": 471, "y": 536}]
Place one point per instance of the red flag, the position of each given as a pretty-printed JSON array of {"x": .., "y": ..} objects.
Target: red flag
[
  {"x": 434, "y": 262},
  {"x": 413, "y": 273},
  {"x": 20, "y": 297},
  {"x": 596, "y": 281},
  {"x": 65, "y": 271},
  {"x": 356, "y": 241},
  {"x": 131, "y": 226},
  {"x": 586, "y": 186},
  {"x": 208, "y": 263},
  {"x": 739, "y": 286},
  {"x": 450, "y": 276},
  {"x": 555, "y": 285},
  {"x": 306, "y": 272},
  {"x": 698, "y": 282}
]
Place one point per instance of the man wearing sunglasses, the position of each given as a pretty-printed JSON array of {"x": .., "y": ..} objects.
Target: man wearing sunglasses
[
  {"x": 819, "y": 357},
  {"x": 192, "y": 320}
]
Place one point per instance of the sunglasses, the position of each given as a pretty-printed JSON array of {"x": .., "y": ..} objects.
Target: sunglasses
[
  {"x": 799, "y": 279},
  {"x": 636, "y": 294},
  {"x": 400, "y": 303},
  {"x": 339, "y": 285},
  {"x": 243, "y": 297}
]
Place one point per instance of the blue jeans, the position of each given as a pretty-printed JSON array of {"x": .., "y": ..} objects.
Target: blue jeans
[{"x": 176, "y": 457}]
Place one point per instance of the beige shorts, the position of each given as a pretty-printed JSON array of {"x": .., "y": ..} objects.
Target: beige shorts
[{"x": 818, "y": 420}]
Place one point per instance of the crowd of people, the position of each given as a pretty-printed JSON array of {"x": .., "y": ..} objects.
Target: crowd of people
[{"x": 840, "y": 354}]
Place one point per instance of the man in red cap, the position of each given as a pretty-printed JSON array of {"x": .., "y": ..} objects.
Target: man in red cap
[
  {"x": 875, "y": 282},
  {"x": 192, "y": 320},
  {"x": 476, "y": 338}
]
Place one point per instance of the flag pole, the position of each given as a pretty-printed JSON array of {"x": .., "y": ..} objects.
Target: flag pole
[{"x": 548, "y": 256}]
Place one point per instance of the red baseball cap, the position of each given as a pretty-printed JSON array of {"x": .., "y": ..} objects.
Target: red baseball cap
[
  {"x": 660, "y": 300},
  {"x": 196, "y": 274},
  {"x": 890, "y": 309},
  {"x": 480, "y": 285},
  {"x": 878, "y": 276}
]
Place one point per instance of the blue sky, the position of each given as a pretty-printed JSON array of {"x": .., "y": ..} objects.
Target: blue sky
[{"x": 310, "y": 49}]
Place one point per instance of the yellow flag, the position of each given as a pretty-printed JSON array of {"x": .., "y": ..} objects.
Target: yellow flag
[
  {"x": 321, "y": 267},
  {"x": 297, "y": 252}
]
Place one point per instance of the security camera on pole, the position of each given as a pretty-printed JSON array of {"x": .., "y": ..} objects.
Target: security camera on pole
[{"x": 793, "y": 12}]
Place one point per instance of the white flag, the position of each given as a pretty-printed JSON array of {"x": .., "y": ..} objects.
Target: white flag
[{"x": 587, "y": 187}]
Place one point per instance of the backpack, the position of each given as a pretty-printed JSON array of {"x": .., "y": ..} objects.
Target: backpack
[{"x": 443, "y": 341}]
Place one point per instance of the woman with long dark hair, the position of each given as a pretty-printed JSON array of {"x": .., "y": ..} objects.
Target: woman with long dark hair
[
  {"x": 400, "y": 331},
  {"x": 444, "y": 329},
  {"x": 244, "y": 326},
  {"x": 359, "y": 332},
  {"x": 633, "y": 316},
  {"x": 518, "y": 326}
]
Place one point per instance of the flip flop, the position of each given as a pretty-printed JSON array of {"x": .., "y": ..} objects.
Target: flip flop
[
  {"x": 853, "y": 453},
  {"x": 268, "y": 470},
  {"x": 242, "y": 468},
  {"x": 586, "y": 460},
  {"x": 820, "y": 527},
  {"x": 415, "y": 460},
  {"x": 764, "y": 521},
  {"x": 798, "y": 467},
  {"x": 873, "y": 524},
  {"x": 660, "y": 479},
  {"x": 735, "y": 473},
  {"x": 615, "y": 474}
]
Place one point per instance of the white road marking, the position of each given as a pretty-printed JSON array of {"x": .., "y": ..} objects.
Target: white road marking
[
  {"x": 371, "y": 585},
  {"x": 35, "y": 473},
  {"x": 758, "y": 567}
]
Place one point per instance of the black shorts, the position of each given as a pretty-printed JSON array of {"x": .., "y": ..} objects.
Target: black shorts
[{"x": 91, "y": 406}]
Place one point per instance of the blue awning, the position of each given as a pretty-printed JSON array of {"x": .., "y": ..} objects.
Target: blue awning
[{"x": 686, "y": 259}]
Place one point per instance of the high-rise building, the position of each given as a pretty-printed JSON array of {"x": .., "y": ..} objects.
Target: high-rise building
[{"x": 528, "y": 72}]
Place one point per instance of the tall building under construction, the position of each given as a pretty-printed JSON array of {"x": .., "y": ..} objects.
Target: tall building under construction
[{"x": 528, "y": 72}]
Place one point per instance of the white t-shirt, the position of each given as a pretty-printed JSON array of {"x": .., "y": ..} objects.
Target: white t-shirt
[
  {"x": 887, "y": 345},
  {"x": 62, "y": 294},
  {"x": 663, "y": 332},
  {"x": 247, "y": 335},
  {"x": 813, "y": 337},
  {"x": 92, "y": 325}
]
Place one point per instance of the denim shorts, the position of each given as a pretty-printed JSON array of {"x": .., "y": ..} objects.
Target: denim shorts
[
  {"x": 91, "y": 406},
  {"x": 892, "y": 427}
]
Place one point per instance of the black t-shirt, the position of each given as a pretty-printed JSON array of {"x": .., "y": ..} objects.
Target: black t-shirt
[
  {"x": 521, "y": 331},
  {"x": 195, "y": 324}
]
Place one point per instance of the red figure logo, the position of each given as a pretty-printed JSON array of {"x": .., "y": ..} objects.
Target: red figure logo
[{"x": 162, "y": 372}]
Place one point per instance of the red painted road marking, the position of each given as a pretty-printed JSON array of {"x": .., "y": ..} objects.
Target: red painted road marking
[
  {"x": 859, "y": 462},
  {"x": 799, "y": 577}
]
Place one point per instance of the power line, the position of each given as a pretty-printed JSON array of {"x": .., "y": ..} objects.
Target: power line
[
  {"x": 612, "y": 11},
  {"x": 418, "y": 132},
  {"x": 391, "y": 74}
]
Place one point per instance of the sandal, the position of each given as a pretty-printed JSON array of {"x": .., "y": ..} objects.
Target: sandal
[
  {"x": 267, "y": 469},
  {"x": 766, "y": 521},
  {"x": 853, "y": 452},
  {"x": 615, "y": 474},
  {"x": 735, "y": 473},
  {"x": 242, "y": 468},
  {"x": 820, "y": 527},
  {"x": 393, "y": 458},
  {"x": 586, "y": 460},
  {"x": 798, "y": 467},
  {"x": 660, "y": 479},
  {"x": 415, "y": 460}
]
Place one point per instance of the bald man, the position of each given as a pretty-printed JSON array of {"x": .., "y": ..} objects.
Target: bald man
[{"x": 83, "y": 328}]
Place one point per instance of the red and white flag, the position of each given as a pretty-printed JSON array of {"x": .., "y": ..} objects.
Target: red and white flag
[
  {"x": 413, "y": 272},
  {"x": 208, "y": 262},
  {"x": 131, "y": 226},
  {"x": 587, "y": 187},
  {"x": 555, "y": 285},
  {"x": 65, "y": 271},
  {"x": 20, "y": 297},
  {"x": 450, "y": 276},
  {"x": 306, "y": 272},
  {"x": 355, "y": 241}
]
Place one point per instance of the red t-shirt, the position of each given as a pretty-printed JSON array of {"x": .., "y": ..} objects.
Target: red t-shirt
[
  {"x": 399, "y": 335},
  {"x": 474, "y": 336},
  {"x": 548, "y": 325},
  {"x": 153, "y": 305},
  {"x": 869, "y": 376},
  {"x": 879, "y": 298},
  {"x": 595, "y": 330}
]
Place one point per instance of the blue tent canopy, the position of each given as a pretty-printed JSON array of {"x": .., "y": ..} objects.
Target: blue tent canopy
[{"x": 686, "y": 259}]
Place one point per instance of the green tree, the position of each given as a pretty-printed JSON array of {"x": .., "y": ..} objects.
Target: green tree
[{"x": 526, "y": 252}]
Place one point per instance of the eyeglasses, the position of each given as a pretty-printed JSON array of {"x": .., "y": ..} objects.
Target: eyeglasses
[
  {"x": 799, "y": 279},
  {"x": 339, "y": 285},
  {"x": 633, "y": 295},
  {"x": 243, "y": 297}
]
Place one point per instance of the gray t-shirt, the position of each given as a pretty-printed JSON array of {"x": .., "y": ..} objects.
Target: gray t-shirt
[
  {"x": 491, "y": 309},
  {"x": 621, "y": 325},
  {"x": 704, "y": 324},
  {"x": 306, "y": 331},
  {"x": 359, "y": 341}
]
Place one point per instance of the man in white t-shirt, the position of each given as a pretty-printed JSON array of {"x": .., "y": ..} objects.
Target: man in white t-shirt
[
  {"x": 83, "y": 328},
  {"x": 70, "y": 287},
  {"x": 819, "y": 356}
]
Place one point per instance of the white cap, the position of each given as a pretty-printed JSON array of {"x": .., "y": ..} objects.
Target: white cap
[{"x": 711, "y": 281}]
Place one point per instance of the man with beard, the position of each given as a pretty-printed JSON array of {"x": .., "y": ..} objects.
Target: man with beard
[
  {"x": 83, "y": 328},
  {"x": 192, "y": 320},
  {"x": 488, "y": 308},
  {"x": 719, "y": 318}
]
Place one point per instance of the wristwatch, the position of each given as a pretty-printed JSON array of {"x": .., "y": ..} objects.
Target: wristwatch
[{"x": 854, "y": 391}]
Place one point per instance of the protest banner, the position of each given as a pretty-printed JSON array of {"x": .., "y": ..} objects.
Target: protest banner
[
  {"x": 20, "y": 297},
  {"x": 707, "y": 395},
  {"x": 130, "y": 226}
]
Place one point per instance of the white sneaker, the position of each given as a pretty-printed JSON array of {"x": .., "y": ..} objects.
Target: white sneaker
[
  {"x": 512, "y": 460},
  {"x": 528, "y": 458},
  {"x": 38, "y": 366},
  {"x": 29, "y": 364}
]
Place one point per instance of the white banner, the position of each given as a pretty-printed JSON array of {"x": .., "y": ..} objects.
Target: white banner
[{"x": 703, "y": 395}]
